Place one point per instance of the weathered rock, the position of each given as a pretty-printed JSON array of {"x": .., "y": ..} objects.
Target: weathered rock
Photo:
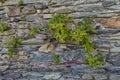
[
  {"x": 106, "y": 32},
  {"x": 34, "y": 18},
  {"x": 4, "y": 50},
  {"x": 52, "y": 75},
  {"x": 13, "y": 11},
  {"x": 23, "y": 33},
  {"x": 102, "y": 44},
  {"x": 62, "y": 10},
  {"x": 41, "y": 6},
  {"x": 47, "y": 16},
  {"x": 114, "y": 69},
  {"x": 114, "y": 77},
  {"x": 3, "y": 68},
  {"x": 111, "y": 22},
  {"x": 100, "y": 76},
  {"x": 30, "y": 48},
  {"x": 41, "y": 57},
  {"x": 116, "y": 7},
  {"x": 115, "y": 50},
  {"x": 73, "y": 76},
  {"x": 83, "y": 69},
  {"x": 33, "y": 41},
  {"x": 33, "y": 75},
  {"x": 47, "y": 48},
  {"x": 114, "y": 59},
  {"x": 87, "y": 76},
  {"x": 12, "y": 75},
  {"x": 9, "y": 32},
  {"x": 28, "y": 10},
  {"x": 41, "y": 36},
  {"x": 108, "y": 3},
  {"x": 23, "y": 58}
]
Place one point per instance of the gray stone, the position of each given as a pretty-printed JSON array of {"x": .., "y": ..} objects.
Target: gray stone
[
  {"x": 85, "y": 1},
  {"x": 115, "y": 7},
  {"x": 114, "y": 31},
  {"x": 52, "y": 76},
  {"x": 33, "y": 41},
  {"x": 114, "y": 59},
  {"x": 86, "y": 14},
  {"x": 2, "y": 12},
  {"x": 4, "y": 50},
  {"x": 114, "y": 69},
  {"x": 41, "y": 57},
  {"x": 15, "y": 2},
  {"x": 83, "y": 69},
  {"x": 12, "y": 75},
  {"x": 106, "y": 15},
  {"x": 22, "y": 58},
  {"x": 28, "y": 10},
  {"x": 108, "y": 3},
  {"x": 32, "y": 75},
  {"x": 23, "y": 33},
  {"x": 63, "y": 9},
  {"x": 97, "y": 78},
  {"x": 12, "y": 11},
  {"x": 73, "y": 76},
  {"x": 40, "y": 6},
  {"x": 100, "y": 76},
  {"x": 87, "y": 76},
  {"x": 115, "y": 50},
  {"x": 89, "y": 7},
  {"x": 101, "y": 42},
  {"x": 34, "y": 18},
  {"x": 30, "y": 48},
  {"x": 2, "y": 16},
  {"x": 3, "y": 68},
  {"x": 47, "y": 16},
  {"x": 41, "y": 36},
  {"x": 114, "y": 77}
]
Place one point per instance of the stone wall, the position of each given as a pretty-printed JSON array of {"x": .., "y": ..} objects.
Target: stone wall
[{"x": 31, "y": 64}]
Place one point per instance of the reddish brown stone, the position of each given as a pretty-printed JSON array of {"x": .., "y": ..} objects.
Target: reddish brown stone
[
  {"x": 13, "y": 11},
  {"x": 111, "y": 22},
  {"x": 104, "y": 47}
]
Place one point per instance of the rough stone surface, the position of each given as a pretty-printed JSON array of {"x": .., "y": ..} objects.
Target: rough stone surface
[
  {"x": 13, "y": 11},
  {"x": 35, "y": 56},
  {"x": 52, "y": 76}
]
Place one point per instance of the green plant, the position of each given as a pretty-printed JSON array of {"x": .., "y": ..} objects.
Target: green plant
[
  {"x": 3, "y": 26},
  {"x": 20, "y": 2},
  {"x": 95, "y": 61},
  {"x": 34, "y": 31},
  {"x": 13, "y": 44},
  {"x": 57, "y": 24},
  {"x": 80, "y": 35},
  {"x": 57, "y": 58}
]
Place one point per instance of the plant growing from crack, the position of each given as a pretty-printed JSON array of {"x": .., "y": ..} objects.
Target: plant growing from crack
[
  {"x": 95, "y": 60},
  {"x": 81, "y": 35},
  {"x": 57, "y": 58},
  {"x": 20, "y": 2},
  {"x": 34, "y": 31},
  {"x": 13, "y": 44},
  {"x": 3, "y": 26}
]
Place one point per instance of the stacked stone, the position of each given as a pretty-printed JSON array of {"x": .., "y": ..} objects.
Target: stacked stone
[{"x": 34, "y": 61}]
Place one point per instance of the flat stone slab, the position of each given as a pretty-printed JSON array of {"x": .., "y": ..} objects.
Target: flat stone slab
[{"x": 115, "y": 50}]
